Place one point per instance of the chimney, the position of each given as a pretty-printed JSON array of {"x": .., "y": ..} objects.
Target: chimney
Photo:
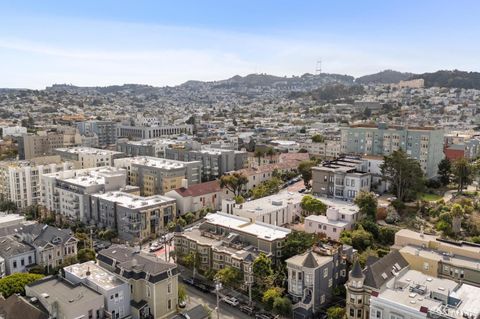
[{"x": 185, "y": 183}]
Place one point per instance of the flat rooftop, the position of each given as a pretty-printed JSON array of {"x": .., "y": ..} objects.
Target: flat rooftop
[
  {"x": 133, "y": 201},
  {"x": 162, "y": 163},
  {"x": 343, "y": 207},
  {"x": 414, "y": 289},
  {"x": 154, "y": 141},
  {"x": 86, "y": 150},
  {"x": 271, "y": 203},
  {"x": 88, "y": 176},
  {"x": 244, "y": 225},
  {"x": 324, "y": 220},
  {"x": 92, "y": 272}
]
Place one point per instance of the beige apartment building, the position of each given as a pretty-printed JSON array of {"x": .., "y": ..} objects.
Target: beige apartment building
[{"x": 44, "y": 143}]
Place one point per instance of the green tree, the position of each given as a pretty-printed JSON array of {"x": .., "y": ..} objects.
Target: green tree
[
  {"x": 282, "y": 306},
  {"x": 239, "y": 199},
  {"x": 305, "y": 169},
  {"x": 182, "y": 293},
  {"x": 8, "y": 206},
  {"x": 297, "y": 242},
  {"x": 234, "y": 182},
  {"x": 462, "y": 173},
  {"x": 367, "y": 204},
  {"x": 444, "y": 171},
  {"x": 361, "y": 239},
  {"x": 457, "y": 213},
  {"x": 270, "y": 295},
  {"x": 191, "y": 260},
  {"x": 259, "y": 154},
  {"x": 312, "y": 205},
  {"x": 229, "y": 276},
  {"x": 262, "y": 270},
  {"x": 387, "y": 236},
  {"x": 336, "y": 312},
  {"x": 15, "y": 284},
  {"x": 189, "y": 218},
  {"x": 269, "y": 187},
  {"x": 404, "y": 173},
  {"x": 85, "y": 254},
  {"x": 181, "y": 221},
  {"x": 318, "y": 138}
]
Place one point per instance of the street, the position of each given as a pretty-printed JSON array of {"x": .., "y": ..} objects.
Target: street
[{"x": 196, "y": 297}]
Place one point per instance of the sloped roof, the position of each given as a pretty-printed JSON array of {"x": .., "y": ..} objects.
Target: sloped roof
[
  {"x": 356, "y": 270},
  {"x": 15, "y": 307},
  {"x": 378, "y": 273},
  {"x": 309, "y": 261},
  {"x": 199, "y": 189}
]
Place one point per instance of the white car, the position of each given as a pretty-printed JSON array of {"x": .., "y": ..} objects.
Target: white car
[{"x": 231, "y": 301}]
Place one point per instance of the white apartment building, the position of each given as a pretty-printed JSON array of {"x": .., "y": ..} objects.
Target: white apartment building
[
  {"x": 13, "y": 130},
  {"x": 279, "y": 209},
  {"x": 88, "y": 157},
  {"x": 66, "y": 192},
  {"x": 340, "y": 216},
  {"x": 20, "y": 181}
]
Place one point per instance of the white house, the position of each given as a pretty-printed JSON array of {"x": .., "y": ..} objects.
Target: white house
[{"x": 197, "y": 197}]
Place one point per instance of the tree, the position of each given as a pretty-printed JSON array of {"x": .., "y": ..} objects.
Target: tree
[
  {"x": 282, "y": 306},
  {"x": 313, "y": 205},
  {"x": 361, "y": 239},
  {"x": 462, "y": 173},
  {"x": 234, "y": 183},
  {"x": 457, "y": 213},
  {"x": 8, "y": 206},
  {"x": 15, "y": 284},
  {"x": 336, "y": 312},
  {"x": 191, "y": 260},
  {"x": 387, "y": 235},
  {"x": 182, "y": 293},
  {"x": 270, "y": 295},
  {"x": 189, "y": 218},
  {"x": 259, "y": 154},
  {"x": 262, "y": 269},
  {"x": 297, "y": 242},
  {"x": 404, "y": 173},
  {"x": 444, "y": 171},
  {"x": 305, "y": 168},
  {"x": 270, "y": 187},
  {"x": 367, "y": 204},
  {"x": 85, "y": 254},
  {"x": 318, "y": 138},
  {"x": 229, "y": 276}
]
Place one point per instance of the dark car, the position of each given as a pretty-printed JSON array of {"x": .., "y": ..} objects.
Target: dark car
[
  {"x": 247, "y": 309},
  {"x": 189, "y": 281},
  {"x": 302, "y": 190},
  {"x": 265, "y": 315}
]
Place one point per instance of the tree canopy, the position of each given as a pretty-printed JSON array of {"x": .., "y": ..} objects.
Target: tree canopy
[
  {"x": 234, "y": 182},
  {"x": 462, "y": 172},
  {"x": 367, "y": 204},
  {"x": 305, "y": 169},
  {"x": 404, "y": 173},
  {"x": 269, "y": 187},
  {"x": 312, "y": 205},
  {"x": 229, "y": 276},
  {"x": 317, "y": 138},
  {"x": 297, "y": 242},
  {"x": 14, "y": 284},
  {"x": 444, "y": 171}
]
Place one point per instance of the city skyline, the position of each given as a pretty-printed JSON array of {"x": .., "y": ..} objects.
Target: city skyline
[{"x": 110, "y": 43}]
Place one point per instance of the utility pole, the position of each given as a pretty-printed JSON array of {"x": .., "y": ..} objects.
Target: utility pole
[{"x": 218, "y": 286}]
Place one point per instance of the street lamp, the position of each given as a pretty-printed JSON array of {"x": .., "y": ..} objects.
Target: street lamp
[{"x": 218, "y": 287}]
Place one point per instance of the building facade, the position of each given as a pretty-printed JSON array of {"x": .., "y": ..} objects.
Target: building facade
[
  {"x": 147, "y": 132},
  {"x": 88, "y": 157},
  {"x": 106, "y": 131},
  {"x": 421, "y": 143}
]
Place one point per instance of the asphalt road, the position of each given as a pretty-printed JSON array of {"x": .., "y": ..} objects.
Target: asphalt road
[{"x": 196, "y": 297}]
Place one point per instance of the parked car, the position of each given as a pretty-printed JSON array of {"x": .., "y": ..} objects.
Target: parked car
[
  {"x": 302, "y": 190},
  {"x": 232, "y": 301},
  {"x": 166, "y": 238},
  {"x": 247, "y": 309},
  {"x": 155, "y": 246},
  {"x": 189, "y": 281},
  {"x": 265, "y": 315}
]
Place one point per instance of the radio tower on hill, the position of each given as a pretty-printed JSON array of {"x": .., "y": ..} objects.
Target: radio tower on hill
[{"x": 318, "y": 67}]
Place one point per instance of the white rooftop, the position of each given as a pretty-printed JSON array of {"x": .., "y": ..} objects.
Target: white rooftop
[
  {"x": 271, "y": 203},
  {"x": 133, "y": 201},
  {"x": 87, "y": 150},
  {"x": 154, "y": 162},
  {"x": 324, "y": 220},
  {"x": 241, "y": 224},
  {"x": 92, "y": 272}
]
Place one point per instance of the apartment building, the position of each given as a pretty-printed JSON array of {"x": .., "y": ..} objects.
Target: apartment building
[
  {"x": 412, "y": 294},
  {"x": 441, "y": 258},
  {"x": 16, "y": 131},
  {"x": 135, "y": 218},
  {"x": 154, "y": 147},
  {"x": 225, "y": 240},
  {"x": 62, "y": 299},
  {"x": 114, "y": 289},
  {"x": 340, "y": 216},
  {"x": 328, "y": 149},
  {"x": 67, "y": 193},
  {"x": 342, "y": 178},
  {"x": 155, "y": 176},
  {"x": 153, "y": 282},
  {"x": 425, "y": 144},
  {"x": 313, "y": 275},
  {"x": 88, "y": 157},
  {"x": 20, "y": 180},
  {"x": 215, "y": 162},
  {"x": 278, "y": 209},
  {"x": 196, "y": 197},
  {"x": 147, "y": 132},
  {"x": 44, "y": 143},
  {"x": 106, "y": 131},
  {"x": 362, "y": 284}
]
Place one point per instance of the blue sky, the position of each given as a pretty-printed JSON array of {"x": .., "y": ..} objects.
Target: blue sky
[{"x": 103, "y": 42}]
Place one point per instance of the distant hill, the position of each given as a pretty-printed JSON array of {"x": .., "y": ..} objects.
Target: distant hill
[
  {"x": 384, "y": 77},
  {"x": 133, "y": 88},
  {"x": 451, "y": 79},
  {"x": 331, "y": 92}
]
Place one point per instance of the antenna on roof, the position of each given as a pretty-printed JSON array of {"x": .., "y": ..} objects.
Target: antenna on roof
[{"x": 318, "y": 67}]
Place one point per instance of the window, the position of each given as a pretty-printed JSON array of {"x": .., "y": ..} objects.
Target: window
[
  {"x": 378, "y": 314},
  {"x": 359, "y": 313},
  {"x": 90, "y": 314},
  {"x": 426, "y": 266},
  {"x": 169, "y": 288},
  {"x": 352, "y": 312},
  {"x": 14, "y": 264},
  {"x": 322, "y": 298},
  {"x": 169, "y": 304},
  {"x": 330, "y": 282},
  {"x": 22, "y": 262},
  {"x": 325, "y": 273},
  {"x": 148, "y": 291}
]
